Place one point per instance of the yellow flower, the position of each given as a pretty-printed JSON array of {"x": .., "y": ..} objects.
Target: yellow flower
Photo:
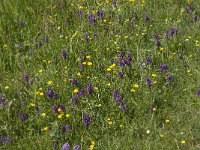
[
  {"x": 153, "y": 75},
  {"x": 161, "y": 135},
  {"x": 84, "y": 63},
  {"x": 112, "y": 66},
  {"x": 99, "y": 105},
  {"x": 92, "y": 142},
  {"x": 4, "y": 46},
  {"x": 89, "y": 63},
  {"x": 67, "y": 115},
  {"x": 78, "y": 74},
  {"x": 49, "y": 82},
  {"x": 41, "y": 93},
  {"x": 60, "y": 116},
  {"x": 135, "y": 85},
  {"x": 40, "y": 70},
  {"x": 45, "y": 129},
  {"x": 132, "y": 90},
  {"x": 120, "y": 125},
  {"x": 183, "y": 142},
  {"x": 109, "y": 69},
  {"x": 7, "y": 87},
  {"x": 161, "y": 49},
  {"x": 88, "y": 57},
  {"x": 32, "y": 105},
  {"x": 75, "y": 91},
  {"x": 167, "y": 121},
  {"x": 109, "y": 121},
  {"x": 43, "y": 114},
  {"x": 40, "y": 89}
]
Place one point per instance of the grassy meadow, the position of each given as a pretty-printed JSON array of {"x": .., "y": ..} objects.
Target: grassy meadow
[{"x": 100, "y": 75}]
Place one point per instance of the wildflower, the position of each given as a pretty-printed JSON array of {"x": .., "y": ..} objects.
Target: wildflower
[
  {"x": 92, "y": 145},
  {"x": 73, "y": 100},
  {"x": 158, "y": 44},
  {"x": 161, "y": 135},
  {"x": 75, "y": 91},
  {"x": 124, "y": 107},
  {"x": 23, "y": 116},
  {"x": 49, "y": 82},
  {"x": 120, "y": 74},
  {"x": 146, "y": 18},
  {"x": 76, "y": 147},
  {"x": 82, "y": 92},
  {"x": 168, "y": 78},
  {"x": 132, "y": 90},
  {"x": 135, "y": 85},
  {"x": 66, "y": 146},
  {"x": 64, "y": 54},
  {"x": 153, "y": 75},
  {"x": 198, "y": 92},
  {"x": 148, "y": 60},
  {"x": 132, "y": 24},
  {"x": 67, "y": 115},
  {"x": 25, "y": 77},
  {"x": 163, "y": 67},
  {"x": 89, "y": 63},
  {"x": 43, "y": 114},
  {"x": 65, "y": 128},
  {"x": 109, "y": 121},
  {"x": 100, "y": 14},
  {"x": 5, "y": 139},
  {"x": 88, "y": 57},
  {"x": 2, "y": 101},
  {"x": 51, "y": 94},
  {"x": 86, "y": 120},
  {"x": 120, "y": 125},
  {"x": 167, "y": 121},
  {"x": 148, "y": 82},
  {"x": 60, "y": 116},
  {"x": 32, "y": 105},
  {"x": 148, "y": 131},
  {"x": 7, "y": 87},
  {"x": 183, "y": 142},
  {"x": 59, "y": 108},
  {"x": 89, "y": 88}
]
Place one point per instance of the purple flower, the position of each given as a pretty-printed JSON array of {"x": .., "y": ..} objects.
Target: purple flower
[
  {"x": 132, "y": 24},
  {"x": 114, "y": 3},
  {"x": 74, "y": 81},
  {"x": 77, "y": 147},
  {"x": 46, "y": 38},
  {"x": 196, "y": 18},
  {"x": 121, "y": 63},
  {"x": 117, "y": 97},
  {"x": 25, "y": 77},
  {"x": 112, "y": 61},
  {"x": 146, "y": 18},
  {"x": 86, "y": 37},
  {"x": 23, "y": 116},
  {"x": 166, "y": 34},
  {"x": 5, "y": 139},
  {"x": 86, "y": 120},
  {"x": 198, "y": 92},
  {"x": 124, "y": 107},
  {"x": 2, "y": 101},
  {"x": 73, "y": 100},
  {"x": 64, "y": 54},
  {"x": 51, "y": 94},
  {"x": 148, "y": 82},
  {"x": 31, "y": 52},
  {"x": 89, "y": 88},
  {"x": 168, "y": 78},
  {"x": 155, "y": 36},
  {"x": 80, "y": 12},
  {"x": 163, "y": 67},
  {"x": 58, "y": 108},
  {"x": 158, "y": 44},
  {"x": 82, "y": 92},
  {"x": 66, "y": 146},
  {"x": 65, "y": 128},
  {"x": 91, "y": 18},
  {"x": 120, "y": 74},
  {"x": 100, "y": 14},
  {"x": 148, "y": 60},
  {"x": 31, "y": 81}
]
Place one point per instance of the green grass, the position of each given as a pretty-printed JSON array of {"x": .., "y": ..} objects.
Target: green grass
[{"x": 24, "y": 29}]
